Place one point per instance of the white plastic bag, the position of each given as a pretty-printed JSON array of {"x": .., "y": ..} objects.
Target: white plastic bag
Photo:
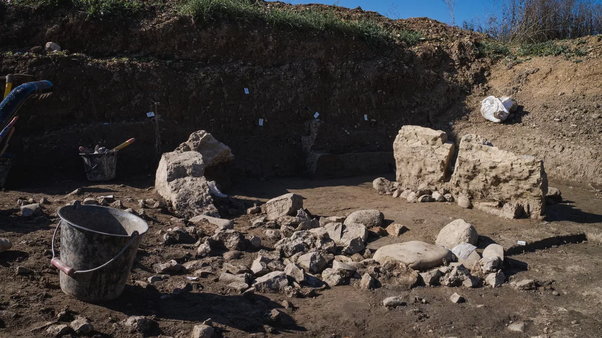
[
  {"x": 493, "y": 109},
  {"x": 463, "y": 250},
  {"x": 509, "y": 103}
]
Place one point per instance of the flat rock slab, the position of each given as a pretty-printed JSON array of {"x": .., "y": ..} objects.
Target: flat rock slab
[{"x": 417, "y": 255}]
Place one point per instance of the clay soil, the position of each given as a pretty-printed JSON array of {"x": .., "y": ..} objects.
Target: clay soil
[{"x": 566, "y": 303}]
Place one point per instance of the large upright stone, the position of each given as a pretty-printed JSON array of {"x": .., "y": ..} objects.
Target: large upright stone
[
  {"x": 457, "y": 232},
  {"x": 422, "y": 156},
  {"x": 213, "y": 151},
  {"x": 179, "y": 178},
  {"x": 284, "y": 205},
  {"x": 490, "y": 174},
  {"x": 417, "y": 255}
]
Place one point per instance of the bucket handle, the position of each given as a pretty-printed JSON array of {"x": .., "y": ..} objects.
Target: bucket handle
[{"x": 69, "y": 271}]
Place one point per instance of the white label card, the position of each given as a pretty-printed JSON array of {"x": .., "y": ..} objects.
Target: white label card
[
  {"x": 247, "y": 91},
  {"x": 316, "y": 115},
  {"x": 365, "y": 117},
  {"x": 261, "y": 122},
  {"x": 150, "y": 114}
]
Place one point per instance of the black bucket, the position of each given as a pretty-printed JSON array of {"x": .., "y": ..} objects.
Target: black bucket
[
  {"x": 100, "y": 167},
  {"x": 98, "y": 248}
]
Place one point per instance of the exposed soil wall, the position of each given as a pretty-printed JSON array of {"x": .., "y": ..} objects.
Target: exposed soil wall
[{"x": 111, "y": 73}]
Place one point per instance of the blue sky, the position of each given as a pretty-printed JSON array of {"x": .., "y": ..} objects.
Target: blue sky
[{"x": 434, "y": 9}]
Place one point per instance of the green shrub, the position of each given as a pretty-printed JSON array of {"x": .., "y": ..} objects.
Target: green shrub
[
  {"x": 548, "y": 48},
  {"x": 493, "y": 50},
  {"x": 107, "y": 8}
]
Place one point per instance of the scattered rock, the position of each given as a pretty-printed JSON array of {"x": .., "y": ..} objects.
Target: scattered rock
[
  {"x": 313, "y": 262},
  {"x": 23, "y": 271},
  {"x": 396, "y": 193},
  {"x": 331, "y": 219},
  {"x": 226, "y": 277},
  {"x": 30, "y": 210},
  {"x": 203, "y": 250},
  {"x": 58, "y": 330},
  {"x": 332, "y": 277},
  {"x": 458, "y": 275},
  {"x": 220, "y": 223},
  {"x": 495, "y": 279},
  {"x": 425, "y": 199},
  {"x": 254, "y": 210},
  {"x": 272, "y": 282},
  {"x": 554, "y": 195},
  {"x": 404, "y": 194},
  {"x": 494, "y": 250},
  {"x": 437, "y": 197},
  {"x": 117, "y": 204},
  {"x": 154, "y": 279},
  {"x": 517, "y": 327},
  {"x": 229, "y": 239},
  {"x": 90, "y": 201},
  {"x": 368, "y": 218},
  {"x": 457, "y": 232},
  {"x": 260, "y": 266},
  {"x": 238, "y": 286},
  {"x": 382, "y": 186},
  {"x": 449, "y": 197},
  {"x": 417, "y": 255},
  {"x": 273, "y": 235},
  {"x": 234, "y": 254},
  {"x": 44, "y": 200},
  {"x": 5, "y": 244},
  {"x": 81, "y": 325},
  {"x": 284, "y": 205},
  {"x": 295, "y": 273},
  {"x": 202, "y": 331},
  {"x": 345, "y": 269},
  {"x": 525, "y": 284},
  {"x": 490, "y": 264},
  {"x": 140, "y": 324},
  {"x": 170, "y": 268},
  {"x": 431, "y": 278},
  {"x": 255, "y": 241},
  {"x": 52, "y": 47},
  {"x": 456, "y": 298},
  {"x": 393, "y": 302},
  {"x": 367, "y": 282},
  {"x": 412, "y": 197},
  {"x": 464, "y": 201}
]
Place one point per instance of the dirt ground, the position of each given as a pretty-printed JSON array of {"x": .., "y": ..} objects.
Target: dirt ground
[{"x": 566, "y": 303}]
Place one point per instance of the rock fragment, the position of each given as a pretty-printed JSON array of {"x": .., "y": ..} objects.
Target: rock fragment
[
  {"x": 171, "y": 267},
  {"x": 417, "y": 255},
  {"x": 30, "y": 210},
  {"x": 456, "y": 298},
  {"x": 202, "y": 331},
  {"x": 368, "y": 218},
  {"x": 495, "y": 279},
  {"x": 393, "y": 302},
  {"x": 81, "y": 325},
  {"x": 382, "y": 186},
  {"x": 272, "y": 282},
  {"x": 284, "y": 205},
  {"x": 140, "y": 324},
  {"x": 367, "y": 282}
]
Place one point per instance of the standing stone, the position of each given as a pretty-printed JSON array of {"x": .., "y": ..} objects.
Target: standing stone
[
  {"x": 519, "y": 179},
  {"x": 213, "y": 151},
  {"x": 369, "y": 218},
  {"x": 457, "y": 232},
  {"x": 422, "y": 156},
  {"x": 284, "y": 205}
]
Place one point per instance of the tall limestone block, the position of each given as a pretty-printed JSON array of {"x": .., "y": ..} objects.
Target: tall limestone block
[
  {"x": 422, "y": 155},
  {"x": 490, "y": 174}
]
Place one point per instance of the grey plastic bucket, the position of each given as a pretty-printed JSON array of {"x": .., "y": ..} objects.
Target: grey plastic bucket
[
  {"x": 100, "y": 167},
  {"x": 98, "y": 248}
]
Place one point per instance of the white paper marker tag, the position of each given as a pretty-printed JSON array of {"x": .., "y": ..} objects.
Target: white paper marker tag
[
  {"x": 523, "y": 243},
  {"x": 150, "y": 114},
  {"x": 365, "y": 117},
  {"x": 316, "y": 115},
  {"x": 247, "y": 91},
  {"x": 261, "y": 122}
]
